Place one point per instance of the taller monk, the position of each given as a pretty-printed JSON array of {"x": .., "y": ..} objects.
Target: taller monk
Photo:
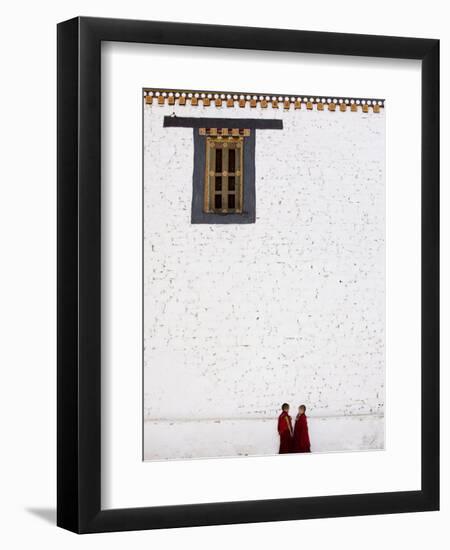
[
  {"x": 300, "y": 441},
  {"x": 285, "y": 429}
]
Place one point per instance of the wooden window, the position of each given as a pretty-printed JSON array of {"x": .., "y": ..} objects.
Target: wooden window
[{"x": 224, "y": 181}]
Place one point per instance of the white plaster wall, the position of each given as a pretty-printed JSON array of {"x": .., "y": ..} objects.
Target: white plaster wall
[{"x": 239, "y": 318}]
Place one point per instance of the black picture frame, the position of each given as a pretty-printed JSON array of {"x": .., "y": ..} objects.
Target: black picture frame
[{"x": 79, "y": 281}]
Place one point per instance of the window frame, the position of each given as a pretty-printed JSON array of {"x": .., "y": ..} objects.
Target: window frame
[
  {"x": 225, "y": 144},
  {"x": 200, "y": 213}
]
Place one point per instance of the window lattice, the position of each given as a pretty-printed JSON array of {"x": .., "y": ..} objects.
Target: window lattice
[{"x": 224, "y": 178}]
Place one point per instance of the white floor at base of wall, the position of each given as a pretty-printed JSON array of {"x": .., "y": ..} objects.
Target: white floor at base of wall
[{"x": 185, "y": 439}]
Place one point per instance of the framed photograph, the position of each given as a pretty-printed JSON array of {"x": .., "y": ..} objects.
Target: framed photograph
[{"x": 248, "y": 275}]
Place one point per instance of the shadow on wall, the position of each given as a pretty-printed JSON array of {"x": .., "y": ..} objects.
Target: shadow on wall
[{"x": 46, "y": 514}]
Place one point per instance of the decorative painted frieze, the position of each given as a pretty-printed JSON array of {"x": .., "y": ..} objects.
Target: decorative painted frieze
[{"x": 217, "y": 99}]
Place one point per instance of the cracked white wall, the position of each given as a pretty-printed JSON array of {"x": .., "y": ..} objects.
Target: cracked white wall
[{"x": 239, "y": 318}]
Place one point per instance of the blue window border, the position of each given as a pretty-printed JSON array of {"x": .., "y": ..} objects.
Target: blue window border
[{"x": 248, "y": 214}]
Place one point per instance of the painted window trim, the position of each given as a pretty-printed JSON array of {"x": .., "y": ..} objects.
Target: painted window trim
[{"x": 198, "y": 215}]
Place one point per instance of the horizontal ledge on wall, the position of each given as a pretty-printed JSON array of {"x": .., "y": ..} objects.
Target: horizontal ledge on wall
[
  {"x": 215, "y": 99},
  {"x": 223, "y": 124}
]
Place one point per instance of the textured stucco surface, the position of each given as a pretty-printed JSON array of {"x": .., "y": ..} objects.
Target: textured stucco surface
[{"x": 239, "y": 318}]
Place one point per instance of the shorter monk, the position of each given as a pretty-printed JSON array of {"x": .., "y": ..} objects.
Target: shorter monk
[
  {"x": 285, "y": 430},
  {"x": 301, "y": 443}
]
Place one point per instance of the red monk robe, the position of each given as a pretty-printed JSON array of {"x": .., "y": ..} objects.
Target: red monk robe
[
  {"x": 285, "y": 431},
  {"x": 301, "y": 443}
]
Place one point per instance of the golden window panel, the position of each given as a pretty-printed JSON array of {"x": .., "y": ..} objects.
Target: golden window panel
[{"x": 224, "y": 178}]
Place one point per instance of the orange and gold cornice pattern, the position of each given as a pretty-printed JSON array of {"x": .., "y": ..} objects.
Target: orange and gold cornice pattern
[{"x": 217, "y": 99}]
